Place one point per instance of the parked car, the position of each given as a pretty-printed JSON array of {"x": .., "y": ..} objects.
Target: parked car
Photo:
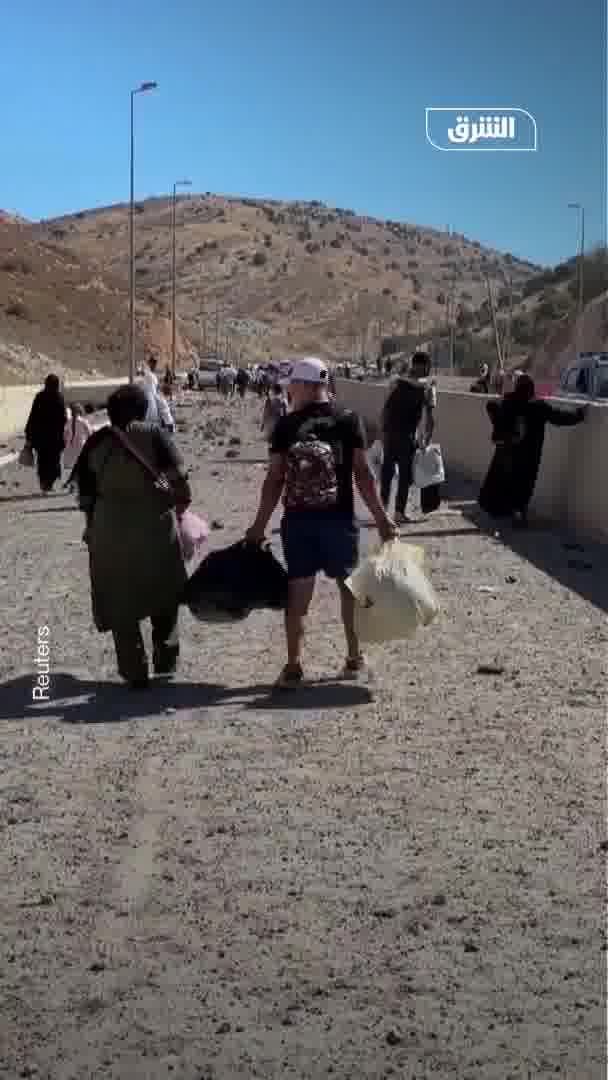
[{"x": 587, "y": 378}]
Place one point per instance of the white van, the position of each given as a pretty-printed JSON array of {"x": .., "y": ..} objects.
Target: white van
[{"x": 587, "y": 378}]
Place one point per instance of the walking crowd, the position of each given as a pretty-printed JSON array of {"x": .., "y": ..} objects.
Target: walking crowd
[{"x": 134, "y": 492}]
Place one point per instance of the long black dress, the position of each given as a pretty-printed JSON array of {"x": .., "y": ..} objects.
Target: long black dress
[
  {"x": 44, "y": 431},
  {"x": 519, "y": 433}
]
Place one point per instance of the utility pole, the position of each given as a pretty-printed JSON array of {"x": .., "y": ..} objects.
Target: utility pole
[
  {"x": 506, "y": 348},
  {"x": 495, "y": 324},
  {"x": 581, "y": 255},
  {"x": 143, "y": 89},
  {"x": 178, "y": 183},
  {"x": 201, "y": 326},
  {"x": 451, "y": 313}
]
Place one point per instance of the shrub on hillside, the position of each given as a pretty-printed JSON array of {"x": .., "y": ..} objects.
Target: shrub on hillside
[
  {"x": 17, "y": 309},
  {"x": 595, "y": 276},
  {"x": 552, "y": 306},
  {"x": 523, "y": 331},
  {"x": 464, "y": 316},
  {"x": 15, "y": 265}
]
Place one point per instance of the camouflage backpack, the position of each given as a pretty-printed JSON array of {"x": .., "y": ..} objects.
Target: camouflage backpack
[{"x": 311, "y": 481}]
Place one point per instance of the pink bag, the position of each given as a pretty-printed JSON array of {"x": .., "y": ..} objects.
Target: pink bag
[{"x": 193, "y": 532}]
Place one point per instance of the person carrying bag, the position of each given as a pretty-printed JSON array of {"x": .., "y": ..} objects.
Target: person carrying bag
[
  {"x": 134, "y": 492},
  {"x": 192, "y": 530}
]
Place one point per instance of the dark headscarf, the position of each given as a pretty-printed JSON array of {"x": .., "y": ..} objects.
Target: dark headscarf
[
  {"x": 126, "y": 404},
  {"x": 524, "y": 389},
  {"x": 52, "y": 384},
  {"x": 511, "y": 415}
]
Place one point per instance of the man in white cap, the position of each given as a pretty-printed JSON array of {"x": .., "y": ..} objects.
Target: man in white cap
[{"x": 317, "y": 450}]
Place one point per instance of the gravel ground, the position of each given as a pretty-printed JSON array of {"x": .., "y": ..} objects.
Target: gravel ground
[{"x": 403, "y": 877}]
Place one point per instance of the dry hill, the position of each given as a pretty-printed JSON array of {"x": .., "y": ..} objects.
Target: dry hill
[
  {"x": 58, "y": 310},
  {"x": 256, "y": 277},
  {"x": 272, "y": 277}
]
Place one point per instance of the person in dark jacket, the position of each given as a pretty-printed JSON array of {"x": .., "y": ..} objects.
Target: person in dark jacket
[
  {"x": 519, "y": 422},
  {"x": 411, "y": 401},
  {"x": 44, "y": 432}
]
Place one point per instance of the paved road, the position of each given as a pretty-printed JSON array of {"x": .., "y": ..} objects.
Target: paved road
[{"x": 401, "y": 878}]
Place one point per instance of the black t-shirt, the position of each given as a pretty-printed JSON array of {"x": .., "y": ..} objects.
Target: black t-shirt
[{"x": 341, "y": 429}]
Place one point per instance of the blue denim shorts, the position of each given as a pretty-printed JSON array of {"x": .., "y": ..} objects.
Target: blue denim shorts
[{"x": 316, "y": 543}]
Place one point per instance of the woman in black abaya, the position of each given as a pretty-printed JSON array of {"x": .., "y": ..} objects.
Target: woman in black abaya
[
  {"x": 44, "y": 431},
  {"x": 519, "y": 422}
]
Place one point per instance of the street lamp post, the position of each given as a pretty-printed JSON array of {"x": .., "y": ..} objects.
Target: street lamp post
[
  {"x": 581, "y": 257},
  {"x": 177, "y": 184},
  {"x": 140, "y": 90}
]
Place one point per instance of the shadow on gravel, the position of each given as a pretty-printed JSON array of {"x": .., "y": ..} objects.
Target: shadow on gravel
[
  {"x": 84, "y": 701},
  {"x": 52, "y": 510},
  {"x": 320, "y": 695},
  {"x": 578, "y": 565},
  {"x": 32, "y": 495},
  {"x": 236, "y": 461}
]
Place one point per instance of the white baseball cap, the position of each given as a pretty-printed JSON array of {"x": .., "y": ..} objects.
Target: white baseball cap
[{"x": 309, "y": 370}]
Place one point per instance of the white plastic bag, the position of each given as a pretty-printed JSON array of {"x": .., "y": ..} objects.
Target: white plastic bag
[
  {"x": 394, "y": 596},
  {"x": 428, "y": 466}
]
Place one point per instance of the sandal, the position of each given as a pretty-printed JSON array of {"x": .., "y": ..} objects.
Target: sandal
[
  {"x": 354, "y": 666},
  {"x": 290, "y": 678}
]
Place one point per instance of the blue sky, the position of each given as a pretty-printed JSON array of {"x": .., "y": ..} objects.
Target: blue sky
[{"x": 311, "y": 100}]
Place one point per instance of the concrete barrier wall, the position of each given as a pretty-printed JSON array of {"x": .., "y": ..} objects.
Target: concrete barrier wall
[
  {"x": 16, "y": 401},
  {"x": 15, "y": 405},
  {"x": 571, "y": 488}
]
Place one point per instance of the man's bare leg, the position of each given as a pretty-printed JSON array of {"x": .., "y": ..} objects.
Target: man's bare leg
[
  {"x": 353, "y": 646},
  {"x": 300, "y": 595}
]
